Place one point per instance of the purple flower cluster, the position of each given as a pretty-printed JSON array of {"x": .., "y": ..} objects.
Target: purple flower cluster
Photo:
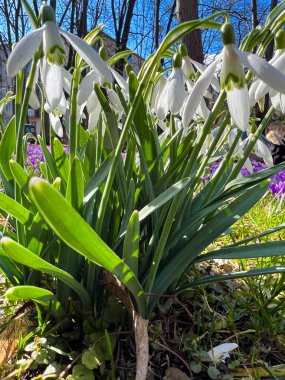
[
  {"x": 35, "y": 156},
  {"x": 277, "y": 182}
]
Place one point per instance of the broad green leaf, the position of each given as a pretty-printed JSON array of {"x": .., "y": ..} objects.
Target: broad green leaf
[
  {"x": 163, "y": 198},
  {"x": 76, "y": 233},
  {"x": 131, "y": 243},
  {"x": 14, "y": 209},
  {"x": 275, "y": 248},
  {"x": 24, "y": 256},
  {"x": 10, "y": 270},
  {"x": 40, "y": 295},
  {"x": 20, "y": 176},
  {"x": 28, "y": 292},
  {"x": 7, "y": 147}
]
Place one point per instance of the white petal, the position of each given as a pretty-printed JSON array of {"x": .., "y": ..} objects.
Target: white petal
[
  {"x": 53, "y": 84},
  {"x": 87, "y": 86},
  {"x": 201, "y": 68},
  {"x": 252, "y": 92},
  {"x": 24, "y": 51},
  {"x": 161, "y": 108},
  {"x": 94, "y": 117},
  {"x": 89, "y": 55},
  {"x": 238, "y": 103},
  {"x": 115, "y": 100},
  {"x": 67, "y": 79},
  {"x": 121, "y": 81},
  {"x": 262, "y": 150},
  {"x": 56, "y": 124},
  {"x": 34, "y": 101},
  {"x": 218, "y": 351},
  {"x": 198, "y": 91},
  {"x": 52, "y": 39},
  {"x": 175, "y": 92},
  {"x": 92, "y": 102},
  {"x": 263, "y": 70}
]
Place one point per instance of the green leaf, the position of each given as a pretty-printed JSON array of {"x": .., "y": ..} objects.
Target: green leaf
[
  {"x": 117, "y": 57},
  {"x": 61, "y": 159},
  {"x": 7, "y": 148},
  {"x": 131, "y": 243},
  {"x": 40, "y": 295},
  {"x": 276, "y": 248},
  {"x": 174, "y": 264},
  {"x": 76, "y": 233},
  {"x": 20, "y": 176},
  {"x": 75, "y": 185},
  {"x": 49, "y": 160},
  {"x": 98, "y": 178},
  {"x": 163, "y": 198},
  {"x": 10, "y": 270},
  {"x": 15, "y": 209},
  {"x": 24, "y": 256}
]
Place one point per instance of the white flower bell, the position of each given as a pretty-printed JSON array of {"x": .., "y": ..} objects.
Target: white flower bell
[
  {"x": 54, "y": 55},
  {"x": 232, "y": 79}
]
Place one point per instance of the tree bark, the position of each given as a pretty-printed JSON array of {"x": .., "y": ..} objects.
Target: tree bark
[{"x": 187, "y": 10}]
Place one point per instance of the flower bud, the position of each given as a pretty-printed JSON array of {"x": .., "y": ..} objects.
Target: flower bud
[
  {"x": 228, "y": 34},
  {"x": 177, "y": 60},
  {"x": 47, "y": 13},
  {"x": 103, "y": 53},
  {"x": 183, "y": 50},
  {"x": 128, "y": 69},
  {"x": 280, "y": 39}
]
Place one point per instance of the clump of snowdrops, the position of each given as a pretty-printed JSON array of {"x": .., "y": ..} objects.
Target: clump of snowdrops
[{"x": 124, "y": 212}]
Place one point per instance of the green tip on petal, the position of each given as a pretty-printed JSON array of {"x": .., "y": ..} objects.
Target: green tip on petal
[
  {"x": 47, "y": 13},
  {"x": 228, "y": 34},
  {"x": 103, "y": 53},
  {"x": 280, "y": 39},
  {"x": 177, "y": 60},
  {"x": 183, "y": 50}
]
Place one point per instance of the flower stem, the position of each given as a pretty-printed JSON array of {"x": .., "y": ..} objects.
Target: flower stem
[{"x": 72, "y": 120}]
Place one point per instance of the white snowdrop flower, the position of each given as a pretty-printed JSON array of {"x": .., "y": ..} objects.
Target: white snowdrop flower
[
  {"x": 174, "y": 93},
  {"x": 54, "y": 55},
  {"x": 220, "y": 352},
  {"x": 232, "y": 80},
  {"x": 259, "y": 88}
]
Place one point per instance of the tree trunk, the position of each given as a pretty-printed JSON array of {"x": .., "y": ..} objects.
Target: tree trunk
[{"x": 187, "y": 10}]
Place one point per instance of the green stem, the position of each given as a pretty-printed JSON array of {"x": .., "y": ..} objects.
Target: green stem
[{"x": 72, "y": 120}]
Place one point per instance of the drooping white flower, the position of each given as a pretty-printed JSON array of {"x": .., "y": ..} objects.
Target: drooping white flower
[
  {"x": 172, "y": 95},
  {"x": 259, "y": 88},
  {"x": 232, "y": 79},
  {"x": 221, "y": 352},
  {"x": 54, "y": 51}
]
